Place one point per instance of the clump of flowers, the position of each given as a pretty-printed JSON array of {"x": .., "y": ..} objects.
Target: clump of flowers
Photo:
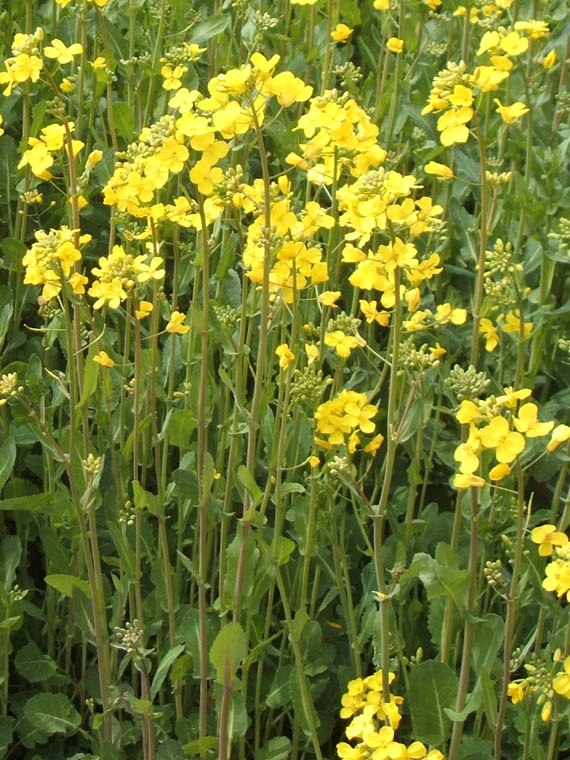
[
  {"x": 494, "y": 426},
  {"x": 341, "y": 416},
  {"x": 374, "y": 721},
  {"x": 51, "y": 260}
]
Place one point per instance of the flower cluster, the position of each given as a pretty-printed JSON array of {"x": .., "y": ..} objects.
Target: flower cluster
[
  {"x": 340, "y": 134},
  {"x": 493, "y": 425},
  {"x": 51, "y": 259},
  {"x": 118, "y": 273},
  {"x": 344, "y": 415},
  {"x": 374, "y": 723},
  {"x": 557, "y": 571},
  {"x": 40, "y": 155}
]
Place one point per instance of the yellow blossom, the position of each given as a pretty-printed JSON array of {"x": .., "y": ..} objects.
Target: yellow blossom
[
  {"x": 438, "y": 170},
  {"x": 499, "y": 472},
  {"x": 497, "y": 435},
  {"x": 342, "y": 343},
  {"x": 468, "y": 481},
  {"x": 329, "y": 298},
  {"x": 527, "y": 422},
  {"x": 61, "y": 52},
  {"x": 373, "y": 446},
  {"x": 395, "y": 45},
  {"x": 145, "y": 308},
  {"x": 286, "y": 356},
  {"x": 341, "y": 33},
  {"x": 560, "y": 434},
  {"x": 511, "y": 113},
  {"x": 547, "y": 537},
  {"x": 513, "y": 325},
  {"x": 550, "y": 59},
  {"x": 176, "y": 324},
  {"x": 104, "y": 359},
  {"x": 561, "y": 682},
  {"x": 314, "y": 461},
  {"x": 488, "y": 329}
]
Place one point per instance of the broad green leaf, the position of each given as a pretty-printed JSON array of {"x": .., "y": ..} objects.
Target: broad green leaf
[
  {"x": 230, "y": 646},
  {"x": 304, "y": 711},
  {"x": 52, "y": 713},
  {"x": 180, "y": 426},
  {"x": 124, "y": 119},
  {"x": 433, "y": 687},
  {"x": 10, "y": 554},
  {"x": 248, "y": 482},
  {"x": 66, "y": 583},
  {"x": 36, "y": 502},
  {"x": 285, "y": 547},
  {"x": 232, "y": 559},
  {"x": 163, "y": 668},
  {"x": 278, "y": 694},
  {"x": 237, "y": 721},
  {"x": 90, "y": 376},
  {"x": 6, "y": 732},
  {"x": 210, "y": 27},
  {"x": 278, "y": 748},
  {"x": 199, "y": 746},
  {"x": 7, "y": 459},
  {"x": 31, "y": 663}
]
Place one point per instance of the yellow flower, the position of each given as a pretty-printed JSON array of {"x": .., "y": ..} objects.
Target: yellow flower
[
  {"x": 314, "y": 462},
  {"x": 78, "y": 282},
  {"x": 372, "y": 447},
  {"x": 497, "y": 435},
  {"x": 499, "y": 472},
  {"x": 468, "y": 413},
  {"x": 99, "y": 63},
  {"x": 527, "y": 422},
  {"x": 468, "y": 453},
  {"x": 511, "y": 397},
  {"x": 341, "y": 33},
  {"x": 104, "y": 359},
  {"x": 548, "y": 537},
  {"x": 438, "y": 170},
  {"x": 145, "y": 308},
  {"x": 560, "y": 434},
  {"x": 513, "y": 325},
  {"x": 561, "y": 683},
  {"x": 533, "y": 28},
  {"x": 285, "y": 355},
  {"x": 61, "y": 52},
  {"x": 342, "y": 343},
  {"x": 517, "y": 691},
  {"x": 329, "y": 298},
  {"x": 395, "y": 45},
  {"x": 510, "y": 114},
  {"x": 488, "y": 329},
  {"x": 550, "y": 59},
  {"x": 93, "y": 159},
  {"x": 382, "y": 5},
  {"x": 468, "y": 481},
  {"x": 514, "y": 44},
  {"x": 175, "y": 324},
  {"x": 371, "y": 313},
  {"x": 312, "y": 352},
  {"x": 452, "y": 125}
]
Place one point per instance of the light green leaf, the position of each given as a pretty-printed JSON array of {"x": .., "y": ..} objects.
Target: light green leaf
[
  {"x": 278, "y": 748},
  {"x": 199, "y": 746},
  {"x": 7, "y": 459},
  {"x": 433, "y": 687},
  {"x": 66, "y": 583},
  {"x": 52, "y": 713},
  {"x": 230, "y": 646},
  {"x": 31, "y": 663},
  {"x": 10, "y": 554},
  {"x": 210, "y": 27},
  {"x": 163, "y": 668}
]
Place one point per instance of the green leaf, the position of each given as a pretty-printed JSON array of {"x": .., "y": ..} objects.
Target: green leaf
[
  {"x": 210, "y": 27},
  {"x": 237, "y": 720},
  {"x": 124, "y": 119},
  {"x": 278, "y": 694},
  {"x": 90, "y": 376},
  {"x": 7, "y": 459},
  {"x": 52, "y": 713},
  {"x": 6, "y": 732},
  {"x": 10, "y": 553},
  {"x": 200, "y": 746},
  {"x": 180, "y": 426},
  {"x": 350, "y": 12},
  {"x": 306, "y": 713},
  {"x": 248, "y": 482},
  {"x": 37, "y": 502},
  {"x": 278, "y": 748},
  {"x": 285, "y": 547},
  {"x": 485, "y": 689},
  {"x": 232, "y": 560},
  {"x": 31, "y": 663},
  {"x": 163, "y": 668},
  {"x": 66, "y": 583},
  {"x": 145, "y": 499},
  {"x": 433, "y": 687},
  {"x": 230, "y": 646}
]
